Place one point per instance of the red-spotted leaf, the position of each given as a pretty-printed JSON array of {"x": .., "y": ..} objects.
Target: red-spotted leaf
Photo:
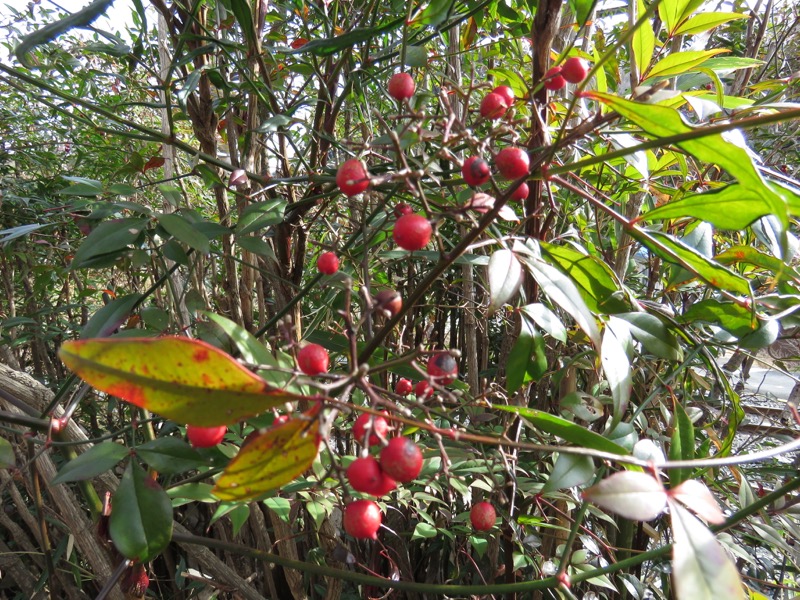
[
  {"x": 695, "y": 495},
  {"x": 701, "y": 568},
  {"x": 141, "y": 516},
  {"x": 271, "y": 460},
  {"x": 636, "y": 496},
  {"x": 185, "y": 380}
]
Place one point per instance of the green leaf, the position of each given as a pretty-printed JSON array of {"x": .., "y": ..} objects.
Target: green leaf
[
  {"x": 672, "y": 12},
  {"x": 108, "y": 238},
  {"x": 183, "y": 230},
  {"x": 110, "y": 317},
  {"x": 281, "y": 506},
  {"x": 569, "y": 471},
  {"x": 654, "y": 335},
  {"x": 582, "y": 9},
  {"x": 51, "y": 31},
  {"x": 274, "y": 123},
  {"x": 547, "y": 320},
  {"x": 185, "y": 380},
  {"x": 701, "y": 568},
  {"x": 734, "y": 318},
  {"x": 260, "y": 215},
  {"x": 7, "y": 458},
  {"x": 244, "y": 16},
  {"x": 562, "y": 291},
  {"x": 617, "y": 366},
  {"x": 567, "y": 430},
  {"x": 170, "y": 455},
  {"x": 732, "y": 207},
  {"x": 595, "y": 280},
  {"x": 249, "y": 347},
  {"x": 505, "y": 278},
  {"x": 272, "y": 459},
  {"x": 707, "y": 20},
  {"x": 435, "y": 13},
  {"x": 141, "y": 516},
  {"x": 679, "y": 63},
  {"x": 88, "y": 189},
  {"x": 682, "y": 443},
  {"x": 423, "y": 531},
  {"x": 328, "y": 46},
  {"x": 257, "y": 246},
  {"x": 630, "y": 494},
  {"x": 96, "y": 460},
  {"x": 6, "y": 235},
  {"x": 676, "y": 252},
  {"x": 527, "y": 360}
]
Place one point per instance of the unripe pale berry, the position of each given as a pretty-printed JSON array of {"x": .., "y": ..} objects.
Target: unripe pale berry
[
  {"x": 238, "y": 178},
  {"x": 352, "y": 177},
  {"x": 521, "y": 193},
  {"x": 328, "y": 263},
  {"x": 401, "y": 459},
  {"x": 403, "y": 387},
  {"x": 401, "y": 86},
  {"x": 506, "y": 92},
  {"x": 280, "y": 420},
  {"x": 553, "y": 79},
  {"x": 380, "y": 428},
  {"x": 574, "y": 69},
  {"x": 512, "y": 163},
  {"x": 443, "y": 368},
  {"x": 423, "y": 390},
  {"x": 362, "y": 519},
  {"x": 313, "y": 359},
  {"x": 482, "y": 516},
  {"x": 493, "y": 106},
  {"x": 389, "y": 300},
  {"x": 365, "y": 475},
  {"x": 475, "y": 171},
  {"x": 205, "y": 437},
  {"x": 412, "y": 232}
]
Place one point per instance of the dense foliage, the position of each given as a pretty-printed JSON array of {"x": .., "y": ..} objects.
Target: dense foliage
[{"x": 239, "y": 263}]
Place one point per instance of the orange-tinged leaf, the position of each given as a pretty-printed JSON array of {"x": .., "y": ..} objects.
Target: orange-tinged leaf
[
  {"x": 153, "y": 163},
  {"x": 185, "y": 380},
  {"x": 271, "y": 460}
]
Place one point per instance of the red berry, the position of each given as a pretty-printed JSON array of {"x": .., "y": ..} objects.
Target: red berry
[
  {"x": 423, "y": 390},
  {"x": 352, "y": 177},
  {"x": 362, "y": 519},
  {"x": 512, "y": 163},
  {"x": 403, "y": 387},
  {"x": 386, "y": 485},
  {"x": 205, "y": 437},
  {"x": 402, "y": 209},
  {"x": 365, "y": 475},
  {"x": 574, "y": 69},
  {"x": 506, "y": 92},
  {"x": 475, "y": 171},
  {"x": 412, "y": 232},
  {"x": 493, "y": 106},
  {"x": 401, "y": 459},
  {"x": 401, "y": 86},
  {"x": 482, "y": 516},
  {"x": 328, "y": 263},
  {"x": 313, "y": 359},
  {"x": 521, "y": 193},
  {"x": 389, "y": 300},
  {"x": 134, "y": 582},
  {"x": 443, "y": 368},
  {"x": 380, "y": 427},
  {"x": 553, "y": 79}
]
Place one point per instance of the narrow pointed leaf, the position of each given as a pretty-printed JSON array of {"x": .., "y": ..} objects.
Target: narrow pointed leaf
[
  {"x": 643, "y": 43},
  {"x": 96, "y": 460},
  {"x": 328, "y": 46},
  {"x": 527, "y": 360},
  {"x": 505, "y": 278},
  {"x": 682, "y": 444},
  {"x": 696, "y": 496},
  {"x": 701, "y": 568},
  {"x": 271, "y": 460},
  {"x": 707, "y": 20},
  {"x": 678, "y": 63},
  {"x": 654, "y": 335},
  {"x": 183, "y": 230},
  {"x": 567, "y": 430},
  {"x": 569, "y": 471},
  {"x": 636, "y": 496},
  {"x": 106, "y": 240},
  {"x": 562, "y": 291},
  {"x": 141, "y": 516},
  {"x": 617, "y": 366},
  {"x": 731, "y": 207},
  {"x": 170, "y": 455},
  {"x": 547, "y": 320},
  {"x": 185, "y": 380}
]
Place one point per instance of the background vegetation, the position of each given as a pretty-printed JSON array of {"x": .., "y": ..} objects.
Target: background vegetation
[{"x": 592, "y": 319}]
